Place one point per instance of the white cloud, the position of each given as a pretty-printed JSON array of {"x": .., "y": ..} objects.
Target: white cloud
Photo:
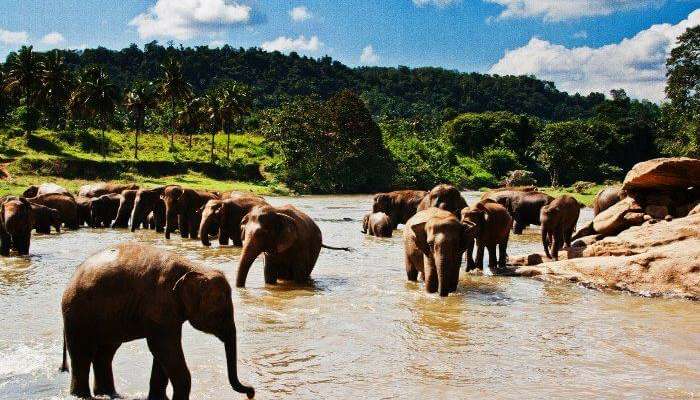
[
  {"x": 368, "y": 55},
  {"x": 636, "y": 64},
  {"x": 437, "y": 3},
  {"x": 184, "y": 19},
  {"x": 52, "y": 39},
  {"x": 216, "y": 44},
  {"x": 581, "y": 35},
  {"x": 301, "y": 44},
  {"x": 300, "y": 14},
  {"x": 9, "y": 37},
  {"x": 558, "y": 10}
]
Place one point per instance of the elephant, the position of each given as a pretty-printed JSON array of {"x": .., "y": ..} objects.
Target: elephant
[
  {"x": 16, "y": 222},
  {"x": 149, "y": 201},
  {"x": 101, "y": 188},
  {"x": 126, "y": 206},
  {"x": 103, "y": 209},
  {"x": 559, "y": 220},
  {"x": 66, "y": 206},
  {"x": 377, "y": 224},
  {"x": 524, "y": 207},
  {"x": 45, "y": 218},
  {"x": 184, "y": 205},
  {"x": 434, "y": 241},
  {"x": 399, "y": 205},
  {"x": 227, "y": 215},
  {"x": 606, "y": 198},
  {"x": 84, "y": 213},
  {"x": 45, "y": 188},
  {"x": 492, "y": 224},
  {"x": 133, "y": 291},
  {"x": 290, "y": 239},
  {"x": 444, "y": 197}
]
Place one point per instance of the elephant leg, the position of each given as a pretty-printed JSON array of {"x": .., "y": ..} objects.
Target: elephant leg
[
  {"x": 493, "y": 261},
  {"x": 158, "y": 383},
  {"x": 479, "y": 256},
  {"x": 102, "y": 368},
  {"x": 194, "y": 227},
  {"x": 558, "y": 239},
  {"x": 519, "y": 227},
  {"x": 80, "y": 359},
  {"x": 502, "y": 256},
  {"x": 183, "y": 225},
  {"x": 22, "y": 243},
  {"x": 224, "y": 238},
  {"x": 167, "y": 350},
  {"x": 567, "y": 236},
  {"x": 413, "y": 265},
  {"x": 430, "y": 275},
  {"x": 470, "y": 255},
  {"x": 546, "y": 241},
  {"x": 270, "y": 271},
  {"x": 5, "y": 244}
]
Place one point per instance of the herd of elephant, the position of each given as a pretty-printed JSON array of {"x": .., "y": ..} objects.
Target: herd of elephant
[{"x": 133, "y": 291}]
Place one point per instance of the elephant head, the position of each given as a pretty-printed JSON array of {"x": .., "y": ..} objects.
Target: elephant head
[
  {"x": 171, "y": 196},
  {"x": 211, "y": 215},
  {"x": 31, "y": 191},
  {"x": 206, "y": 302},
  {"x": 446, "y": 197},
  {"x": 264, "y": 229},
  {"x": 443, "y": 240}
]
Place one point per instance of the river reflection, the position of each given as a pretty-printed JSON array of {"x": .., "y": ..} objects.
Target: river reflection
[{"x": 360, "y": 330}]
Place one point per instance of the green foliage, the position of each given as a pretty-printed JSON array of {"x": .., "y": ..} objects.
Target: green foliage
[
  {"x": 499, "y": 161},
  {"x": 26, "y": 117},
  {"x": 472, "y": 133},
  {"x": 565, "y": 149}
]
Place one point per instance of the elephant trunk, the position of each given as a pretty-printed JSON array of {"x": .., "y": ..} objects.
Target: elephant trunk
[
  {"x": 136, "y": 217},
  {"x": 232, "y": 367},
  {"x": 170, "y": 221},
  {"x": 445, "y": 265},
  {"x": 251, "y": 251},
  {"x": 205, "y": 227}
]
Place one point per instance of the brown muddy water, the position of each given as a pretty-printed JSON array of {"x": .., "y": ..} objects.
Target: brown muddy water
[{"x": 361, "y": 331}]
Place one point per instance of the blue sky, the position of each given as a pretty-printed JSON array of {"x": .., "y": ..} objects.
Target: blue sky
[{"x": 582, "y": 45}]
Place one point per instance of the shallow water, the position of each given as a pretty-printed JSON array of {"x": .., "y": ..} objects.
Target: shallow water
[{"x": 362, "y": 331}]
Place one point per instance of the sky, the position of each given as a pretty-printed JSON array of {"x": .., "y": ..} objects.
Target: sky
[{"x": 581, "y": 45}]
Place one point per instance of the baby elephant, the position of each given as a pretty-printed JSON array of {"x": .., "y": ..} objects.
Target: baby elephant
[
  {"x": 434, "y": 241},
  {"x": 131, "y": 291},
  {"x": 559, "y": 220},
  {"x": 16, "y": 222},
  {"x": 492, "y": 225},
  {"x": 377, "y": 224}
]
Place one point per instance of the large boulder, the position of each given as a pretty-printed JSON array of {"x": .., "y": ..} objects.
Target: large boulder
[
  {"x": 661, "y": 259},
  {"x": 618, "y": 217},
  {"x": 663, "y": 173}
]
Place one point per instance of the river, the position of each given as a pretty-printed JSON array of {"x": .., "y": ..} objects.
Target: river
[{"x": 362, "y": 331}]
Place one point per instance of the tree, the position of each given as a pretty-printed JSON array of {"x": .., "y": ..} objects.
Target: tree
[
  {"x": 140, "y": 99},
  {"x": 95, "y": 97},
  {"x": 234, "y": 103},
  {"x": 191, "y": 117},
  {"x": 56, "y": 84},
  {"x": 210, "y": 116},
  {"x": 564, "y": 149},
  {"x": 173, "y": 88},
  {"x": 23, "y": 80}
]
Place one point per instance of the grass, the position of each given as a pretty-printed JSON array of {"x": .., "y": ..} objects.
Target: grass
[{"x": 586, "y": 197}]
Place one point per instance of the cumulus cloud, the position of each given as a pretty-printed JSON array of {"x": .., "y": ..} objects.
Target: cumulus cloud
[
  {"x": 581, "y": 35},
  {"x": 368, "y": 55},
  {"x": 184, "y": 19},
  {"x": 636, "y": 64},
  {"x": 10, "y": 37},
  {"x": 559, "y": 10},
  {"x": 217, "y": 44},
  {"x": 300, "y": 14},
  {"x": 285, "y": 44},
  {"x": 52, "y": 39},
  {"x": 437, "y": 3}
]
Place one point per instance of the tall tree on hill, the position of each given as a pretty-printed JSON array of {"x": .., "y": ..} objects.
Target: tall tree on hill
[
  {"x": 140, "y": 99},
  {"x": 56, "y": 84},
  {"x": 234, "y": 104},
  {"x": 23, "y": 81},
  {"x": 173, "y": 89},
  {"x": 95, "y": 97},
  {"x": 190, "y": 117}
]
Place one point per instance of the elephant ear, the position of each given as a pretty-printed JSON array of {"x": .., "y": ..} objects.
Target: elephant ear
[
  {"x": 469, "y": 231},
  {"x": 189, "y": 290},
  {"x": 286, "y": 232},
  {"x": 421, "y": 237}
]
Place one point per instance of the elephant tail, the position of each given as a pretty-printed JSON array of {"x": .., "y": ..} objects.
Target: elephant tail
[
  {"x": 335, "y": 248},
  {"x": 64, "y": 365}
]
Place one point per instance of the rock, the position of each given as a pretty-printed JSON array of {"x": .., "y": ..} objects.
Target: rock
[
  {"x": 664, "y": 173},
  {"x": 661, "y": 259},
  {"x": 582, "y": 186},
  {"x": 658, "y": 212},
  {"x": 519, "y": 178},
  {"x": 695, "y": 211},
  {"x": 618, "y": 217}
]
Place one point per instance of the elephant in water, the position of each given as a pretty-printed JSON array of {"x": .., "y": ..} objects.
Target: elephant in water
[
  {"x": 492, "y": 225},
  {"x": 444, "y": 197},
  {"x": 399, "y": 205},
  {"x": 16, "y": 222},
  {"x": 377, "y": 224},
  {"x": 131, "y": 291},
  {"x": 227, "y": 215}
]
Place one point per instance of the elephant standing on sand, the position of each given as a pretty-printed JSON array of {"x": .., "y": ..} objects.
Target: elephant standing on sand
[
  {"x": 399, "y": 205},
  {"x": 559, "y": 220},
  {"x": 16, "y": 222},
  {"x": 434, "y": 241},
  {"x": 132, "y": 291},
  {"x": 227, "y": 216}
]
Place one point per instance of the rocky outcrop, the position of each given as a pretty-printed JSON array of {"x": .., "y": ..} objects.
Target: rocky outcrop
[
  {"x": 519, "y": 178},
  {"x": 655, "y": 259},
  {"x": 663, "y": 173}
]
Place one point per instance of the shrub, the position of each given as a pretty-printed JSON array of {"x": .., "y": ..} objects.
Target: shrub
[{"x": 499, "y": 161}]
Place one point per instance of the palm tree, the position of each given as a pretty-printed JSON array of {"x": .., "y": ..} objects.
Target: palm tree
[
  {"x": 191, "y": 117},
  {"x": 95, "y": 97},
  {"x": 23, "y": 74},
  {"x": 234, "y": 103},
  {"x": 210, "y": 111},
  {"x": 56, "y": 81},
  {"x": 138, "y": 101},
  {"x": 174, "y": 88}
]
